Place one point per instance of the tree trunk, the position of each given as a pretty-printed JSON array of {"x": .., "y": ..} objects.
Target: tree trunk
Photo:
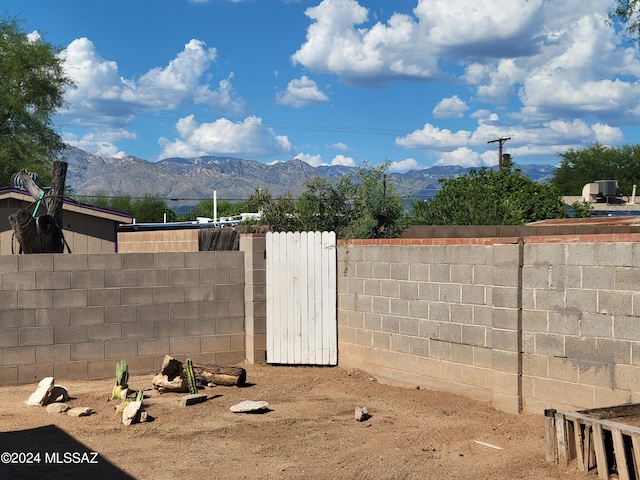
[
  {"x": 226, "y": 376},
  {"x": 42, "y": 234}
]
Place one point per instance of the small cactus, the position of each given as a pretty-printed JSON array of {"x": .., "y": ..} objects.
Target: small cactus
[
  {"x": 121, "y": 389},
  {"x": 191, "y": 378}
]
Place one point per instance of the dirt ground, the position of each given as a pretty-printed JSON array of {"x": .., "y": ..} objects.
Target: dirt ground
[{"x": 308, "y": 432}]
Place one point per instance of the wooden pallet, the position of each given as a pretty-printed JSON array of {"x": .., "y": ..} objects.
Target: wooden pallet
[{"x": 595, "y": 441}]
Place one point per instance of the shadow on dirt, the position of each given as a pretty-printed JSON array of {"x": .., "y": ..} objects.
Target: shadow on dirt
[{"x": 50, "y": 453}]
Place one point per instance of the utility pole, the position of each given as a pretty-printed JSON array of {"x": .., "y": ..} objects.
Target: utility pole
[{"x": 500, "y": 142}]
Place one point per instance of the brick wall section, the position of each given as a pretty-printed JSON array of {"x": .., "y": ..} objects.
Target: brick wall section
[
  {"x": 527, "y": 323},
  {"x": 76, "y": 315}
]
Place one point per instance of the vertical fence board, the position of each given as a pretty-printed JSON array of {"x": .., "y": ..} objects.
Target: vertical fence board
[
  {"x": 304, "y": 299},
  {"x": 312, "y": 311},
  {"x": 301, "y": 298}
]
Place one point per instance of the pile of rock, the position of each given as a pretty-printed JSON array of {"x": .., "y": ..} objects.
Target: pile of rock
[{"x": 54, "y": 397}]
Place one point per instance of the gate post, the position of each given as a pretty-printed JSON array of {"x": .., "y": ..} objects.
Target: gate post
[{"x": 255, "y": 301}]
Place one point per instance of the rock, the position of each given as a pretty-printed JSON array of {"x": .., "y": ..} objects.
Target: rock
[
  {"x": 193, "y": 399},
  {"x": 165, "y": 383},
  {"x": 144, "y": 417},
  {"x": 57, "y": 407},
  {"x": 249, "y": 406},
  {"x": 362, "y": 414},
  {"x": 171, "y": 367},
  {"x": 131, "y": 413},
  {"x": 80, "y": 411},
  {"x": 59, "y": 394},
  {"x": 42, "y": 395}
]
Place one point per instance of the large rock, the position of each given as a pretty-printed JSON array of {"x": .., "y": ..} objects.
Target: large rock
[
  {"x": 164, "y": 383},
  {"x": 59, "y": 394},
  {"x": 43, "y": 393},
  {"x": 171, "y": 367},
  {"x": 362, "y": 414},
  {"x": 249, "y": 406},
  {"x": 131, "y": 413},
  {"x": 80, "y": 412},
  {"x": 57, "y": 407}
]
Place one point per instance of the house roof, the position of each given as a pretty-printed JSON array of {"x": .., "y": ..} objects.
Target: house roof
[{"x": 69, "y": 205}]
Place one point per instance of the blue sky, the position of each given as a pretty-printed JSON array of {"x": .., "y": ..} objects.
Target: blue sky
[{"x": 413, "y": 82}]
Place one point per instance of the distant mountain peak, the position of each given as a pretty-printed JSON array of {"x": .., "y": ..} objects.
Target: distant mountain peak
[{"x": 194, "y": 179}]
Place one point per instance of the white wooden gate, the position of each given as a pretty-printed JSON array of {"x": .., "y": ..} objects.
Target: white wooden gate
[{"x": 301, "y": 298}]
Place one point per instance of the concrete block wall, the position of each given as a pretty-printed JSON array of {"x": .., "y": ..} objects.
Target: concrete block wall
[
  {"x": 527, "y": 323},
  {"x": 255, "y": 322},
  {"x": 432, "y": 314},
  {"x": 77, "y": 315},
  {"x": 581, "y": 323}
]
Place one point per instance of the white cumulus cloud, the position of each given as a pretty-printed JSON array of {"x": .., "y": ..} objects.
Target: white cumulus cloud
[
  {"x": 102, "y": 143},
  {"x": 384, "y": 52},
  {"x": 313, "y": 160},
  {"x": 451, "y": 107},
  {"x": 102, "y": 96},
  {"x": 404, "y": 165},
  {"x": 301, "y": 92},
  {"x": 249, "y": 138},
  {"x": 433, "y": 137},
  {"x": 339, "y": 146},
  {"x": 343, "y": 161},
  {"x": 464, "y": 157}
]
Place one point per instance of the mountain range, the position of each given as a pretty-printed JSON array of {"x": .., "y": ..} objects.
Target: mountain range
[{"x": 186, "y": 181}]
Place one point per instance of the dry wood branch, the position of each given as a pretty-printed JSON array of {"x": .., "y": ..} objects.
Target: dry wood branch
[
  {"x": 227, "y": 376},
  {"x": 41, "y": 234}
]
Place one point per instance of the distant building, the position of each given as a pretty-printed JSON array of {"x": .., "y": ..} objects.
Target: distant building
[{"x": 87, "y": 229}]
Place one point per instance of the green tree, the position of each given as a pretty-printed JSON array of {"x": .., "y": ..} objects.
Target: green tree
[
  {"x": 280, "y": 215},
  {"x": 379, "y": 211},
  {"x": 365, "y": 205},
  {"x": 148, "y": 208},
  {"x": 628, "y": 12},
  {"x": 581, "y": 210},
  {"x": 597, "y": 162},
  {"x": 32, "y": 86},
  {"x": 259, "y": 199},
  {"x": 326, "y": 207},
  {"x": 489, "y": 197}
]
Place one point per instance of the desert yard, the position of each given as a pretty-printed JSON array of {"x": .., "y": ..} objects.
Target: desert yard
[{"x": 308, "y": 431}]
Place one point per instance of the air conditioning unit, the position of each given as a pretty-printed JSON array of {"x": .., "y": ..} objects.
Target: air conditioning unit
[{"x": 607, "y": 188}]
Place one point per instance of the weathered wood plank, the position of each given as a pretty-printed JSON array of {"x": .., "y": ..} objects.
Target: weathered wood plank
[
  {"x": 562, "y": 441},
  {"x": 589, "y": 452},
  {"x": 551, "y": 446},
  {"x": 621, "y": 454},
  {"x": 612, "y": 412},
  {"x": 635, "y": 442},
  {"x": 579, "y": 444},
  {"x": 192, "y": 399},
  {"x": 601, "y": 453}
]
